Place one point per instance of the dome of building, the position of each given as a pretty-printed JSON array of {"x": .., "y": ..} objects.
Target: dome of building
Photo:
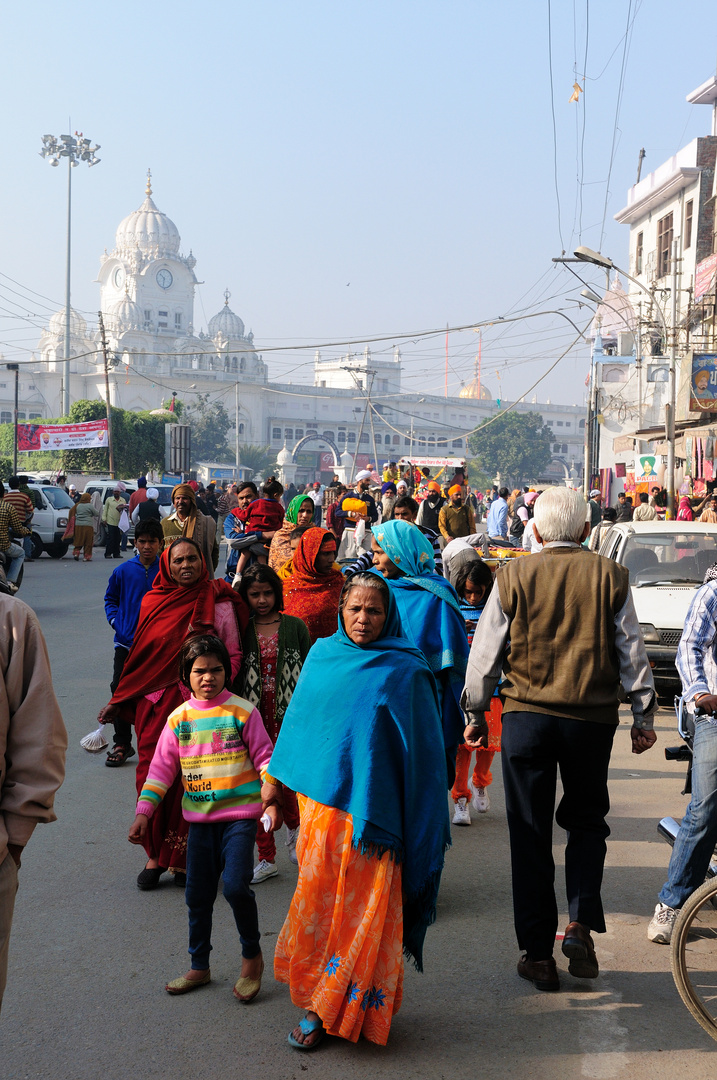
[
  {"x": 126, "y": 314},
  {"x": 78, "y": 326},
  {"x": 615, "y": 314},
  {"x": 476, "y": 388},
  {"x": 284, "y": 457},
  {"x": 226, "y": 323},
  {"x": 148, "y": 229}
]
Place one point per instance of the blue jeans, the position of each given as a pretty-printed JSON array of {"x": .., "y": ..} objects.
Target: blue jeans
[
  {"x": 14, "y": 558},
  {"x": 221, "y": 848},
  {"x": 698, "y": 832}
]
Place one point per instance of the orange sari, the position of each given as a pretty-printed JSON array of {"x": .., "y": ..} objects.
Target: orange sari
[{"x": 341, "y": 947}]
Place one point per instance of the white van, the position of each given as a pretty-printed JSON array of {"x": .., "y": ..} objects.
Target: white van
[
  {"x": 49, "y": 520},
  {"x": 105, "y": 487}
]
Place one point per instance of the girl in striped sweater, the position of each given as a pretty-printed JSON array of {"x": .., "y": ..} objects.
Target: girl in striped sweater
[{"x": 219, "y": 743}]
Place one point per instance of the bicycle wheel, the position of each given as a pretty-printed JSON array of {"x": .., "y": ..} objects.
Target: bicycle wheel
[{"x": 694, "y": 955}]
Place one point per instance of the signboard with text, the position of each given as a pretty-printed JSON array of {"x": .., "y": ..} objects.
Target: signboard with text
[{"x": 61, "y": 436}]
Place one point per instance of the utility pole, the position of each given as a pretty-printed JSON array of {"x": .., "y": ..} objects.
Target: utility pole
[
  {"x": 16, "y": 369},
  {"x": 370, "y": 416},
  {"x": 670, "y": 409},
  {"x": 110, "y": 448},
  {"x": 236, "y": 430}
]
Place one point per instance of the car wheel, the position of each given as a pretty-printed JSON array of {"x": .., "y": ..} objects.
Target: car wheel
[
  {"x": 37, "y": 546},
  {"x": 57, "y": 550}
]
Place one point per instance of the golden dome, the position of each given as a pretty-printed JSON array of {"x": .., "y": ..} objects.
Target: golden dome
[{"x": 476, "y": 388}]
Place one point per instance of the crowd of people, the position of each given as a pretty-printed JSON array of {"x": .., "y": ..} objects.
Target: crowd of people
[{"x": 224, "y": 683}]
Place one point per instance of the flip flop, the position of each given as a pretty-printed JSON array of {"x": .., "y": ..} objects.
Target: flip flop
[{"x": 307, "y": 1026}]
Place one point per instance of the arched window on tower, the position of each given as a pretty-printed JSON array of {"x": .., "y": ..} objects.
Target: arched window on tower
[
  {"x": 396, "y": 440},
  {"x": 235, "y": 366},
  {"x": 242, "y": 364},
  {"x": 387, "y": 440}
]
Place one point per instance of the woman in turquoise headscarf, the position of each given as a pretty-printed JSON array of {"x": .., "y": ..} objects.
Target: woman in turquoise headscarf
[
  {"x": 369, "y": 766},
  {"x": 430, "y": 615},
  {"x": 299, "y": 515}
]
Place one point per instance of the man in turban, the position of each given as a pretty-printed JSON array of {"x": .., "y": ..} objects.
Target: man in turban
[
  {"x": 186, "y": 520},
  {"x": 457, "y": 518}
]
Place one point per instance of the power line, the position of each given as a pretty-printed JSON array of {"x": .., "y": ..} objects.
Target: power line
[{"x": 555, "y": 128}]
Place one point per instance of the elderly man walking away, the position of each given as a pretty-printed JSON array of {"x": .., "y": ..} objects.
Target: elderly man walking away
[
  {"x": 574, "y": 638},
  {"x": 33, "y": 741},
  {"x": 185, "y": 520}
]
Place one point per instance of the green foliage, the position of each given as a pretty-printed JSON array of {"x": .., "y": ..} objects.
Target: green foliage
[
  {"x": 210, "y": 424},
  {"x": 262, "y": 459},
  {"x": 477, "y": 476},
  {"x": 178, "y": 406},
  {"x": 517, "y": 445}
]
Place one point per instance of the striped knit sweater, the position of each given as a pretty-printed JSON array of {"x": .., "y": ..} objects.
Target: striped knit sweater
[{"x": 222, "y": 749}]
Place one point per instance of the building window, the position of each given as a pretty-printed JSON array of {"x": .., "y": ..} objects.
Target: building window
[
  {"x": 457, "y": 444},
  {"x": 327, "y": 435},
  {"x": 568, "y": 423},
  {"x": 560, "y": 423},
  {"x": 442, "y": 442},
  {"x": 298, "y": 433},
  {"x": 241, "y": 429},
  {"x": 422, "y": 440},
  {"x": 5, "y": 417},
  {"x": 364, "y": 437},
  {"x": 147, "y": 319},
  {"x": 431, "y": 440},
  {"x": 639, "y": 249},
  {"x": 35, "y": 416},
  {"x": 177, "y": 320},
  {"x": 352, "y": 436},
  {"x": 242, "y": 364},
  {"x": 664, "y": 245},
  {"x": 311, "y": 431},
  {"x": 387, "y": 440},
  {"x": 688, "y": 224},
  {"x": 406, "y": 440},
  {"x": 565, "y": 448},
  {"x": 21, "y": 416},
  {"x": 582, "y": 424},
  {"x": 396, "y": 440},
  {"x": 288, "y": 433},
  {"x": 342, "y": 434},
  {"x": 276, "y": 433},
  {"x": 556, "y": 448}
]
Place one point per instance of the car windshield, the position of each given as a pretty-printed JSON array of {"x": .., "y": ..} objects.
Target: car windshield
[
  {"x": 165, "y": 496},
  {"x": 57, "y": 498},
  {"x": 657, "y": 558}
]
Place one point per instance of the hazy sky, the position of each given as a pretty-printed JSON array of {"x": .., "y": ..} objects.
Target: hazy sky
[{"x": 348, "y": 168}]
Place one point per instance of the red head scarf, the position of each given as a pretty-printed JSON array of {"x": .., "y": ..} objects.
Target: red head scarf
[
  {"x": 310, "y": 596},
  {"x": 169, "y": 613}
]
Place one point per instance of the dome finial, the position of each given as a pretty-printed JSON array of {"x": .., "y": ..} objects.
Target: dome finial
[
  {"x": 227, "y": 294},
  {"x": 148, "y": 189}
]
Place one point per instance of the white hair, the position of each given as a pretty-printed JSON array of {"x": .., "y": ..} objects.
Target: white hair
[{"x": 560, "y": 514}]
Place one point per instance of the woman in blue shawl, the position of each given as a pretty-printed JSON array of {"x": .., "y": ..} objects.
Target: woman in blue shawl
[
  {"x": 370, "y": 769},
  {"x": 430, "y": 616}
]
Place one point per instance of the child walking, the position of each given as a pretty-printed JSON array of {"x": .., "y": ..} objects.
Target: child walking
[
  {"x": 473, "y": 584},
  {"x": 219, "y": 743},
  {"x": 275, "y": 646}
]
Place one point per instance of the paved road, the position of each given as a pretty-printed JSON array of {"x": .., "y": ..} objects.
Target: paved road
[{"x": 90, "y": 953}]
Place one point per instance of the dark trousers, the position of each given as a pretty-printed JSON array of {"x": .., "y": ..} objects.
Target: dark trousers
[
  {"x": 123, "y": 730},
  {"x": 223, "y": 848},
  {"x": 533, "y": 747},
  {"x": 114, "y": 536}
]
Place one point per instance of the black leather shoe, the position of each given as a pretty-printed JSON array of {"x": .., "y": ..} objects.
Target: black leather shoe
[
  {"x": 149, "y": 877},
  {"x": 542, "y": 973},
  {"x": 578, "y": 947}
]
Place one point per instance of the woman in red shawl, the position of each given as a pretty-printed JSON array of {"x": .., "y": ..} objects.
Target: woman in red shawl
[
  {"x": 182, "y": 601},
  {"x": 314, "y": 586}
]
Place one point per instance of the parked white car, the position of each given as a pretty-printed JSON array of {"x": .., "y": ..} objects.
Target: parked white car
[
  {"x": 667, "y": 561},
  {"x": 105, "y": 487}
]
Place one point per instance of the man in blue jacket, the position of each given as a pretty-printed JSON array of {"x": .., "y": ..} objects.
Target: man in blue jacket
[{"x": 125, "y": 590}]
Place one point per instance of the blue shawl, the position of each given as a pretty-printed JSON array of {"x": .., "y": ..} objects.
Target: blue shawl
[
  {"x": 430, "y": 614},
  {"x": 375, "y": 751}
]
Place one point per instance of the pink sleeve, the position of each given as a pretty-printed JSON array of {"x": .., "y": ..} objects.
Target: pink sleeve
[
  {"x": 225, "y": 624},
  {"x": 163, "y": 769},
  {"x": 257, "y": 741}
]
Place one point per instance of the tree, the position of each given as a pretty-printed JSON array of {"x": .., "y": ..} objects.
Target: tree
[
  {"x": 210, "y": 424},
  {"x": 261, "y": 459},
  {"x": 516, "y": 445}
]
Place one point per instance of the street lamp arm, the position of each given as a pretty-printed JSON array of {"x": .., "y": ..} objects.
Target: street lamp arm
[{"x": 585, "y": 254}]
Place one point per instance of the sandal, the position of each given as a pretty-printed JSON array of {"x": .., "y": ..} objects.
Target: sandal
[
  {"x": 149, "y": 877},
  {"x": 307, "y": 1026},
  {"x": 118, "y": 755}
]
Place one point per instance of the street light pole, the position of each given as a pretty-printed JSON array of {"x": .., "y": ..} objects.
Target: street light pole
[
  {"x": 16, "y": 369},
  {"x": 585, "y": 254},
  {"x": 75, "y": 149}
]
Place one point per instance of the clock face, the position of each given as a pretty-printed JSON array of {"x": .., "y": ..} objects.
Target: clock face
[
  {"x": 164, "y": 279},
  {"x": 118, "y": 277}
]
